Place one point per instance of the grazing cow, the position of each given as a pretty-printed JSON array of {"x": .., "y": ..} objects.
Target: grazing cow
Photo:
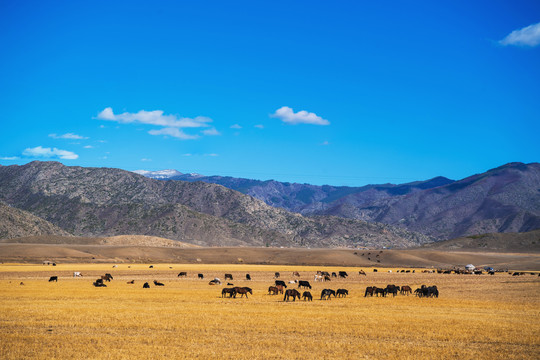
[
  {"x": 374, "y": 270},
  {"x": 157, "y": 283},
  {"x": 362, "y": 272},
  {"x": 334, "y": 274},
  {"x": 21, "y": 283},
  {"x": 307, "y": 296},
  {"x": 214, "y": 282},
  {"x": 151, "y": 267},
  {"x": 272, "y": 290},
  {"x": 77, "y": 274},
  {"x": 229, "y": 291},
  {"x": 326, "y": 278},
  {"x": 405, "y": 289},
  {"x": 343, "y": 274},
  {"x": 291, "y": 293},
  {"x": 280, "y": 282},
  {"x": 200, "y": 276},
  {"x": 304, "y": 284},
  {"x": 318, "y": 278},
  {"x": 369, "y": 291},
  {"x": 131, "y": 282},
  {"x": 115, "y": 266},
  {"x": 276, "y": 275},
  {"x": 146, "y": 285},
  {"x": 243, "y": 291},
  {"x": 293, "y": 281},
  {"x": 296, "y": 273},
  {"x": 53, "y": 278},
  {"x": 326, "y": 293},
  {"x": 107, "y": 277},
  {"x": 342, "y": 292},
  {"x": 228, "y": 277},
  {"x": 280, "y": 288},
  {"x": 99, "y": 281},
  {"x": 182, "y": 274},
  {"x": 99, "y": 284},
  {"x": 230, "y": 284},
  {"x": 248, "y": 277}
]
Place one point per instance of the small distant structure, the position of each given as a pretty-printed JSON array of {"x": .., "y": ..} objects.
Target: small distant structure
[{"x": 470, "y": 267}]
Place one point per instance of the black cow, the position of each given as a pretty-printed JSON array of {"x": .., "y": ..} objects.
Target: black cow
[
  {"x": 343, "y": 274},
  {"x": 248, "y": 277},
  {"x": 146, "y": 285},
  {"x": 304, "y": 284},
  {"x": 157, "y": 283},
  {"x": 276, "y": 275},
  {"x": 182, "y": 274},
  {"x": 228, "y": 276},
  {"x": 200, "y": 276},
  {"x": 334, "y": 274},
  {"x": 53, "y": 278},
  {"x": 280, "y": 282},
  {"x": 99, "y": 284}
]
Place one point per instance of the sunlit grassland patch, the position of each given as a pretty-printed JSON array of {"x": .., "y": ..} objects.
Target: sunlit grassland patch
[{"x": 486, "y": 317}]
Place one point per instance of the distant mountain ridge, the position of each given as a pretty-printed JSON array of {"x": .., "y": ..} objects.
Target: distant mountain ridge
[
  {"x": 108, "y": 202},
  {"x": 504, "y": 199}
]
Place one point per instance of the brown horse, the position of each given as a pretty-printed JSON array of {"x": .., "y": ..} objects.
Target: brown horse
[
  {"x": 307, "y": 296},
  {"x": 370, "y": 290},
  {"x": 296, "y": 273},
  {"x": 342, "y": 292},
  {"x": 107, "y": 277},
  {"x": 280, "y": 288},
  {"x": 272, "y": 290},
  {"x": 291, "y": 293},
  {"x": 242, "y": 291},
  {"x": 362, "y": 272},
  {"x": 131, "y": 282},
  {"x": 229, "y": 291},
  {"x": 406, "y": 289}
]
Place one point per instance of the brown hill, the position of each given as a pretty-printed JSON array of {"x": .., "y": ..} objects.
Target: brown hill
[
  {"x": 17, "y": 223},
  {"x": 519, "y": 242},
  {"x": 120, "y": 240}
]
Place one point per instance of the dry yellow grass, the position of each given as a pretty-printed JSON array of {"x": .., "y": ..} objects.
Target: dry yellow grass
[{"x": 481, "y": 317}]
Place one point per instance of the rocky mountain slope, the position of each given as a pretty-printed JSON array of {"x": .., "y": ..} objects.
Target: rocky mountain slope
[
  {"x": 305, "y": 199},
  {"x": 105, "y": 202},
  {"x": 505, "y": 199},
  {"x": 16, "y": 223}
]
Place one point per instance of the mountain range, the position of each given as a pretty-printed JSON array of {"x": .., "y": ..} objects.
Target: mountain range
[
  {"x": 106, "y": 202},
  {"x": 504, "y": 199}
]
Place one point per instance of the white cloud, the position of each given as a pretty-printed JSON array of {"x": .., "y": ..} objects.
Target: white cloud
[
  {"x": 211, "y": 132},
  {"x": 211, "y": 155},
  {"x": 287, "y": 115},
  {"x": 528, "y": 36},
  {"x": 259, "y": 126},
  {"x": 53, "y": 153},
  {"x": 9, "y": 158},
  {"x": 171, "y": 124},
  {"x": 145, "y": 159},
  {"x": 155, "y": 117},
  {"x": 174, "y": 132},
  {"x": 68, "y": 136},
  {"x": 88, "y": 147},
  {"x": 236, "y": 126},
  {"x": 187, "y": 154},
  {"x": 325, "y": 143}
]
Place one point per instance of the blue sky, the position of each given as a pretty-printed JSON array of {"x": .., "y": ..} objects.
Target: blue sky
[{"x": 342, "y": 93}]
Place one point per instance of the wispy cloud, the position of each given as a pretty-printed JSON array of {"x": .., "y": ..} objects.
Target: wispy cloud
[
  {"x": 146, "y": 160},
  {"x": 211, "y": 154},
  {"x": 527, "y": 36},
  {"x": 324, "y": 143},
  {"x": 68, "y": 136},
  {"x": 88, "y": 147},
  {"x": 287, "y": 115},
  {"x": 236, "y": 126},
  {"x": 211, "y": 132},
  {"x": 53, "y": 153},
  {"x": 9, "y": 158},
  {"x": 259, "y": 126},
  {"x": 173, "y": 132}
]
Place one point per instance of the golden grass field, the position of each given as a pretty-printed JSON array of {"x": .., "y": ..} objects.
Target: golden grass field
[{"x": 475, "y": 317}]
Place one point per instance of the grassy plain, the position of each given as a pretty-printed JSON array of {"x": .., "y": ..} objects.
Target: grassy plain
[{"x": 480, "y": 317}]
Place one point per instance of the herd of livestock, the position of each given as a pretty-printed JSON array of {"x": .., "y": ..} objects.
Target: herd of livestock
[
  {"x": 279, "y": 287},
  {"x": 291, "y": 293}
]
